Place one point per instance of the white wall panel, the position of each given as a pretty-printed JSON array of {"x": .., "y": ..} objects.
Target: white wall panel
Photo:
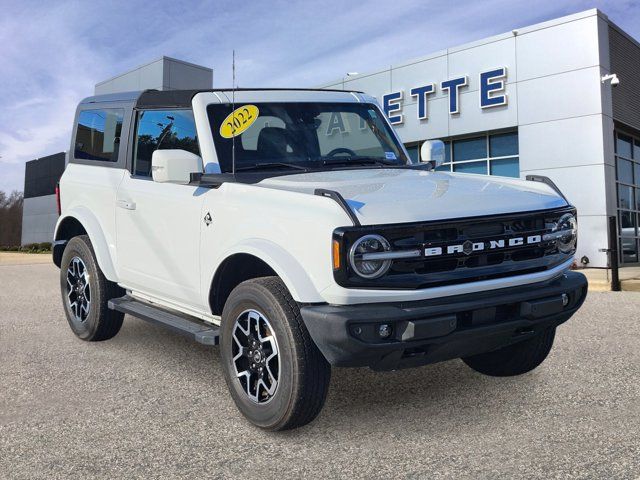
[
  {"x": 592, "y": 236},
  {"x": 569, "y": 46},
  {"x": 555, "y": 97},
  {"x": 377, "y": 84},
  {"x": 436, "y": 126},
  {"x": 561, "y": 143},
  {"x": 583, "y": 186},
  {"x": 482, "y": 58},
  {"x": 418, "y": 74},
  {"x": 40, "y": 205}
]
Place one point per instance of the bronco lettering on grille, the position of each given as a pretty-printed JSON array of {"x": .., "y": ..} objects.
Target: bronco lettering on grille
[{"x": 469, "y": 247}]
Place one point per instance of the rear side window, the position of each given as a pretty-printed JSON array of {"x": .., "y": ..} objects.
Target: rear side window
[
  {"x": 162, "y": 130},
  {"x": 98, "y": 134}
]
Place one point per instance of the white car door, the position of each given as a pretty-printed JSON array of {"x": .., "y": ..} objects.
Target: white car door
[{"x": 158, "y": 224}]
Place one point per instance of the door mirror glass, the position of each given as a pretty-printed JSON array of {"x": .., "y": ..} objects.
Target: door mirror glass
[
  {"x": 174, "y": 166},
  {"x": 432, "y": 151}
]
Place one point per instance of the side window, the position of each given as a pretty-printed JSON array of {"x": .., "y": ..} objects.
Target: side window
[
  {"x": 98, "y": 134},
  {"x": 162, "y": 130}
]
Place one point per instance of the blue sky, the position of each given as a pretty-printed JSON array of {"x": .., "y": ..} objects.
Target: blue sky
[{"x": 52, "y": 54}]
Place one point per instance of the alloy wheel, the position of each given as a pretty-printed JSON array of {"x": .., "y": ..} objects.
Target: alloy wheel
[
  {"x": 78, "y": 289},
  {"x": 255, "y": 356}
]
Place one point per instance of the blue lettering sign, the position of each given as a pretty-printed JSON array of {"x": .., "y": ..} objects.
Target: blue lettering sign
[
  {"x": 492, "y": 82},
  {"x": 453, "y": 86},
  {"x": 491, "y": 92},
  {"x": 421, "y": 93},
  {"x": 391, "y": 104}
]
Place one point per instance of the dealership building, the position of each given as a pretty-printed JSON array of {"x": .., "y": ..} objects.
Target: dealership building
[
  {"x": 559, "y": 99},
  {"x": 535, "y": 100}
]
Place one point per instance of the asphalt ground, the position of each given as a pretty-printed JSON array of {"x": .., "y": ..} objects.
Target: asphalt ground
[{"x": 152, "y": 404}]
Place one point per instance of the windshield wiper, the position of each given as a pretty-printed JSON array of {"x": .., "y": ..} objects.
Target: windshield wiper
[
  {"x": 267, "y": 165},
  {"x": 358, "y": 161}
]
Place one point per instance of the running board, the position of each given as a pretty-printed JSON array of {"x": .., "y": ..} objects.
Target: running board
[{"x": 176, "y": 321}]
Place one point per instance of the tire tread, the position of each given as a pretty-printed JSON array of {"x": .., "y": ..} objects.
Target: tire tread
[
  {"x": 109, "y": 321},
  {"x": 315, "y": 371},
  {"x": 311, "y": 373}
]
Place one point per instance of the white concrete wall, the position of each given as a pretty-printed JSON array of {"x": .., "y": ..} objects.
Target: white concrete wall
[
  {"x": 555, "y": 99},
  {"x": 562, "y": 121},
  {"x": 39, "y": 217}
]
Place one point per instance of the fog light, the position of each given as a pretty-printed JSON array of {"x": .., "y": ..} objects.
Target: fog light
[
  {"x": 384, "y": 331},
  {"x": 565, "y": 299}
]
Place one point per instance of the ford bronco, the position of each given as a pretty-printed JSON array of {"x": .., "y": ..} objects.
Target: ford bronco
[{"x": 291, "y": 228}]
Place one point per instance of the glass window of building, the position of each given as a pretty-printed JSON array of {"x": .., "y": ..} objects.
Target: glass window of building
[
  {"x": 492, "y": 154},
  {"x": 627, "y": 149}
]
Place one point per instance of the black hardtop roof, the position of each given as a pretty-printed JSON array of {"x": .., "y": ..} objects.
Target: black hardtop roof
[{"x": 181, "y": 98}]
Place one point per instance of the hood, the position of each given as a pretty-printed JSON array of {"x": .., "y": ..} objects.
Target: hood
[{"x": 381, "y": 196}]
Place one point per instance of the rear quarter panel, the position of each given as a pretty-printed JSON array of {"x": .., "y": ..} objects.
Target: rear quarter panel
[{"x": 88, "y": 193}]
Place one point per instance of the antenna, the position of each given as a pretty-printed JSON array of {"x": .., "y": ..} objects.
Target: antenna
[{"x": 233, "y": 109}]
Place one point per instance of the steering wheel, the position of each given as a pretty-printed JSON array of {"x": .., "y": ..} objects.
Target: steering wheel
[{"x": 339, "y": 150}]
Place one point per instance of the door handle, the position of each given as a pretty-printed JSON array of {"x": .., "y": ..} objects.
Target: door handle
[{"x": 126, "y": 204}]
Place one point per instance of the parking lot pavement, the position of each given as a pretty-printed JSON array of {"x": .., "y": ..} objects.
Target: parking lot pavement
[
  {"x": 151, "y": 404},
  {"x": 19, "y": 258}
]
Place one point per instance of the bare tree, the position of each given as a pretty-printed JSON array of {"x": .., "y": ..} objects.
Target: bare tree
[{"x": 10, "y": 218}]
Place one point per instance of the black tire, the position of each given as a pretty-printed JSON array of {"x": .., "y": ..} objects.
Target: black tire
[
  {"x": 514, "y": 359},
  {"x": 303, "y": 374},
  {"x": 96, "y": 322}
]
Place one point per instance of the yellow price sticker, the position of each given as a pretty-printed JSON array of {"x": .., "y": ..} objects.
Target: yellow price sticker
[{"x": 238, "y": 121}]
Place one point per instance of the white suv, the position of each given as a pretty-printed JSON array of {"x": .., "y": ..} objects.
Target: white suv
[{"x": 292, "y": 228}]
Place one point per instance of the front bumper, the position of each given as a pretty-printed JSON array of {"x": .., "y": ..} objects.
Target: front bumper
[{"x": 433, "y": 330}]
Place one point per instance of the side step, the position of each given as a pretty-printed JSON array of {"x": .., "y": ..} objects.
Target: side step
[{"x": 179, "y": 322}]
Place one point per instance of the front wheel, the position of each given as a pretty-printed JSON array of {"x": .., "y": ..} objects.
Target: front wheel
[
  {"x": 276, "y": 375},
  {"x": 516, "y": 359}
]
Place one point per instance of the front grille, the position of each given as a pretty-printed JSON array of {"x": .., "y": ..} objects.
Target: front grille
[{"x": 487, "y": 252}]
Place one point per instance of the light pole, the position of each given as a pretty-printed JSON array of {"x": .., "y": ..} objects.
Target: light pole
[{"x": 348, "y": 74}]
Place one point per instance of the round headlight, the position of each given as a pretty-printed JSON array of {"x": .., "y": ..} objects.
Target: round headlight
[
  {"x": 369, "y": 266},
  {"x": 567, "y": 228}
]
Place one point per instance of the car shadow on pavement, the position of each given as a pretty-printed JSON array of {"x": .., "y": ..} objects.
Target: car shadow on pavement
[{"x": 356, "y": 395}]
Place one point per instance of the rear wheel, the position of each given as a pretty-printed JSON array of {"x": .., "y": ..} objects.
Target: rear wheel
[
  {"x": 514, "y": 359},
  {"x": 276, "y": 375},
  {"x": 85, "y": 293}
]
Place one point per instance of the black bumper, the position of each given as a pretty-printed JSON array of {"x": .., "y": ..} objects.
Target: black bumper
[{"x": 429, "y": 331}]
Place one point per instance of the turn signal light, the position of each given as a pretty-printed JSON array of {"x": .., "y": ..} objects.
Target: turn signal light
[{"x": 336, "y": 255}]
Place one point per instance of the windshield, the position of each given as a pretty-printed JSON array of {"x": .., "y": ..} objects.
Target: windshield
[{"x": 302, "y": 136}]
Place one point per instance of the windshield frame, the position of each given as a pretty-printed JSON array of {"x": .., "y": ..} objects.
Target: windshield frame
[{"x": 376, "y": 122}]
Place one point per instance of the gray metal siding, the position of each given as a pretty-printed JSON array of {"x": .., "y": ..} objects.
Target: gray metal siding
[
  {"x": 162, "y": 74},
  {"x": 625, "y": 62},
  {"x": 39, "y": 217},
  {"x": 40, "y": 209}
]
